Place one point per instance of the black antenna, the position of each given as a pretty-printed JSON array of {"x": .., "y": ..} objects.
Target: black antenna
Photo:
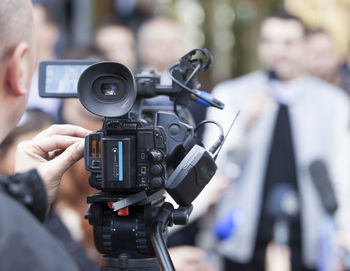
[{"x": 229, "y": 129}]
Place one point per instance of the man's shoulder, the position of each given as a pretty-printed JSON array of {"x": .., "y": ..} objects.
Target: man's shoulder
[
  {"x": 247, "y": 82},
  {"x": 320, "y": 88}
]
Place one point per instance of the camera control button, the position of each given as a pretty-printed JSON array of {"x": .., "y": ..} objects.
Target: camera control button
[
  {"x": 155, "y": 156},
  {"x": 174, "y": 129},
  {"x": 157, "y": 182},
  {"x": 159, "y": 142},
  {"x": 95, "y": 164},
  {"x": 156, "y": 169},
  {"x": 143, "y": 180},
  {"x": 143, "y": 156},
  {"x": 143, "y": 170}
]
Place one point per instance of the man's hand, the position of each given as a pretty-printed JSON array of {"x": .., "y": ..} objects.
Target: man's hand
[
  {"x": 255, "y": 106},
  {"x": 278, "y": 257},
  {"x": 188, "y": 258},
  {"x": 51, "y": 152},
  {"x": 343, "y": 242}
]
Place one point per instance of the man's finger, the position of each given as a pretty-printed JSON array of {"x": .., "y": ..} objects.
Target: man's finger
[
  {"x": 66, "y": 159},
  {"x": 56, "y": 142},
  {"x": 64, "y": 129}
]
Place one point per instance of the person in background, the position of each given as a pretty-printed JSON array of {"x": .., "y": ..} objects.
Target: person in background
[
  {"x": 46, "y": 38},
  {"x": 134, "y": 13},
  {"x": 322, "y": 58},
  {"x": 288, "y": 121},
  {"x": 160, "y": 46},
  {"x": 117, "y": 43},
  {"x": 325, "y": 62},
  {"x": 344, "y": 74}
]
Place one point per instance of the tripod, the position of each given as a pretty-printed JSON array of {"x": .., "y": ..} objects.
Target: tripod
[{"x": 131, "y": 232}]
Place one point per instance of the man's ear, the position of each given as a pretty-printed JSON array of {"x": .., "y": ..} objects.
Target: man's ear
[{"x": 18, "y": 69}]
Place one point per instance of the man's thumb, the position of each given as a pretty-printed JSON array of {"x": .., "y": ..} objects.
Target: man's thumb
[{"x": 72, "y": 154}]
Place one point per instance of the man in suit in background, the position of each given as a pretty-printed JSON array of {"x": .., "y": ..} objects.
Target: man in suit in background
[{"x": 288, "y": 120}]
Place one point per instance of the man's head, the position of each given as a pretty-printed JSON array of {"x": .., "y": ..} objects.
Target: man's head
[
  {"x": 159, "y": 43},
  {"x": 117, "y": 43},
  {"x": 17, "y": 61},
  {"x": 322, "y": 58},
  {"x": 282, "y": 45}
]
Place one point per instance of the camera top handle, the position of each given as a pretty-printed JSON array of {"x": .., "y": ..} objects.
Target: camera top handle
[{"x": 185, "y": 87}]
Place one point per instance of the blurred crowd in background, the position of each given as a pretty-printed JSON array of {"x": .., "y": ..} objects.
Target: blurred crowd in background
[
  {"x": 153, "y": 35},
  {"x": 228, "y": 28}
]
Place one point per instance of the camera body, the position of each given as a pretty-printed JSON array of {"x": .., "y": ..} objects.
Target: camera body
[
  {"x": 128, "y": 155},
  {"x": 138, "y": 148},
  {"x": 126, "y": 158},
  {"x": 138, "y": 153}
]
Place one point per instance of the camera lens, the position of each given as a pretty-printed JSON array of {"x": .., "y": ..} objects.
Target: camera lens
[{"x": 109, "y": 89}]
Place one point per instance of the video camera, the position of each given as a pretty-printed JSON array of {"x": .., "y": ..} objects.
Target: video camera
[{"x": 139, "y": 152}]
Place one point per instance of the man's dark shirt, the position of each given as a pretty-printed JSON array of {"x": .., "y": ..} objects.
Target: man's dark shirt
[
  {"x": 24, "y": 243},
  {"x": 28, "y": 189},
  {"x": 56, "y": 227}
]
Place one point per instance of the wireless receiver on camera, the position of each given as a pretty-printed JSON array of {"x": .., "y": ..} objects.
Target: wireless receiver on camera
[
  {"x": 134, "y": 157},
  {"x": 191, "y": 175}
]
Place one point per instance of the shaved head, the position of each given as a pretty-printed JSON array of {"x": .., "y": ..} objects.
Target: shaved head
[
  {"x": 16, "y": 24},
  {"x": 17, "y": 60}
]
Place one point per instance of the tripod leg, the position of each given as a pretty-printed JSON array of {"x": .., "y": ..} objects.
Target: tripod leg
[{"x": 158, "y": 243}]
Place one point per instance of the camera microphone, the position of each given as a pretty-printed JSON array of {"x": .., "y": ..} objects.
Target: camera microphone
[
  {"x": 202, "y": 97},
  {"x": 322, "y": 181},
  {"x": 283, "y": 206},
  {"x": 327, "y": 247}
]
